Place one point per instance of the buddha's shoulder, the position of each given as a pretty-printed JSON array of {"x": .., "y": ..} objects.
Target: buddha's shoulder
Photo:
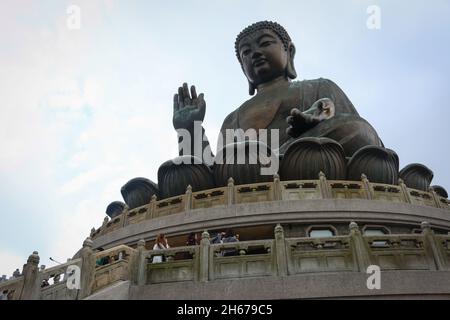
[
  {"x": 230, "y": 120},
  {"x": 313, "y": 83}
]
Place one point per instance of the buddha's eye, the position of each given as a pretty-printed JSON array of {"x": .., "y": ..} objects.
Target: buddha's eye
[
  {"x": 265, "y": 43},
  {"x": 245, "y": 52}
]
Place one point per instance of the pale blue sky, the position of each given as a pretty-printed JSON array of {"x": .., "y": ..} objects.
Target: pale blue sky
[{"x": 83, "y": 111}]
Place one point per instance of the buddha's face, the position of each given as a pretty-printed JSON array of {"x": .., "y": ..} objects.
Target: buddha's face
[{"x": 263, "y": 56}]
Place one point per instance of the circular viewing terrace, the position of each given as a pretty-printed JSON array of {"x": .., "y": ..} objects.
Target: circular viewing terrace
[{"x": 253, "y": 210}]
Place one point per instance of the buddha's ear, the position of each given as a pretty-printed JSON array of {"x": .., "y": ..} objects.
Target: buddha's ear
[
  {"x": 251, "y": 88},
  {"x": 290, "y": 70}
]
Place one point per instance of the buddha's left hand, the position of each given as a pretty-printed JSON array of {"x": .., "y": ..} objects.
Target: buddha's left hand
[{"x": 299, "y": 122}]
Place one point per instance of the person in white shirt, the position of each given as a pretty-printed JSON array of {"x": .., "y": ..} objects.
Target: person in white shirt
[{"x": 160, "y": 244}]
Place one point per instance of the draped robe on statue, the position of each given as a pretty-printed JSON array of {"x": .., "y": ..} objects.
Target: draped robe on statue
[{"x": 271, "y": 106}]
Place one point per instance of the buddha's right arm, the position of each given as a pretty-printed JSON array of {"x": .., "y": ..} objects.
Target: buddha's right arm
[
  {"x": 188, "y": 114},
  {"x": 193, "y": 141}
]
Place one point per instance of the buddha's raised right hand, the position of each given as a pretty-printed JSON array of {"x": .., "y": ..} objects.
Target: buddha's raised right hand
[{"x": 187, "y": 108}]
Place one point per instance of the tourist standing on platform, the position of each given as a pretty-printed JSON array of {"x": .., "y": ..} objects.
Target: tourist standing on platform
[
  {"x": 161, "y": 243},
  {"x": 229, "y": 237}
]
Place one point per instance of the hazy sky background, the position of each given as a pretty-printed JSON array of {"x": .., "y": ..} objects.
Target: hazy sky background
[{"x": 83, "y": 111}]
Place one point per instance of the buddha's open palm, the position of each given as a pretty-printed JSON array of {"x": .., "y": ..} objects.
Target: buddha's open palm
[{"x": 187, "y": 107}]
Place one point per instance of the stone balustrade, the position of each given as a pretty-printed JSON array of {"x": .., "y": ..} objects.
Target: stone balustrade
[
  {"x": 277, "y": 257},
  {"x": 242, "y": 259},
  {"x": 113, "y": 265},
  {"x": 330, "y": 254},
  {"x": 178, "y": 264},
  {"x": 13, "y": 288},
  {"x": 273, "y": 191}
]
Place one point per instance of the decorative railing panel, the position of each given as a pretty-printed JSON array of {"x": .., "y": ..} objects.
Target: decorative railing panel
[
  {"x": 443, "y": 242},
  {"x": 110, "y": 273},
  {"x": 169, "y": 206},
  {"x": 13, "y": 288},
  {"x": 421, "y": 198},
  {"x": 178, "y": 264},
  {"x": 399, "y": 252},
  {"x": 387, "y": 192},
  {"x": 257, "y": 192},
  {"x": 242, "y": 259},
  {"x": 114, "y": 224},
  {"x": 300, "y": 190},
  {"x": 112, "y": 265},
  {"x": 210, "y": 198},
  {"x": 320, "y": 255},
  {"x": 347, "y": 190},
  {"x": 137, "y": 215}
]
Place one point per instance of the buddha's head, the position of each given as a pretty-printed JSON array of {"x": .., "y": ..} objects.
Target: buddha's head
[{"x": 265, "y": 52}]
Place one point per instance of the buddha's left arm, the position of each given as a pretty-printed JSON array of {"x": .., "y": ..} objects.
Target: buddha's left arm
[{"x": 329, "y": 89}]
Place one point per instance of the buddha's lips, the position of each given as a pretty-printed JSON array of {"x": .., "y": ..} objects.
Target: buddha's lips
[{"x": 259, "y": 62}]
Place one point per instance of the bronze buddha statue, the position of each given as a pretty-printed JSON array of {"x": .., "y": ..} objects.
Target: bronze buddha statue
[
  {"x": 309, "y": 108},
  {"x": 317, "y": 128}
]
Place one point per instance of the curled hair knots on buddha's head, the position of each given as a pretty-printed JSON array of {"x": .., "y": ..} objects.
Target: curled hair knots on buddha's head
[
  {"x": 282, "y": 35},
  {"x": 270, "y": 25}
]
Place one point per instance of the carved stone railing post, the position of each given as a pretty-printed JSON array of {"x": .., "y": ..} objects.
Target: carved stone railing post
[
  {"x": 204, "y": 257},
  {"x": 359, "y": 247},
  {"x": 104, "y": 225},
  {"x": 31, "y": 278},
  {"x": 325, "y": 189},
  {"x": 432, "y": 249},
  {"x": 278, "y": 193},
  {"x": 280, "y": 251},
  {"x": 405, "y": 191},
  {"x": 368, "y": 189},
  {"x": 231, "y": 199},
  {"x": 141, "y": 263},
  {"x": 152, "y": 207},
  {"x": 124, "y": 216},
  {"x": 188, "y": 198},
  {"x": 87, "y": 268},
  {"x": 435, "y": 196}
]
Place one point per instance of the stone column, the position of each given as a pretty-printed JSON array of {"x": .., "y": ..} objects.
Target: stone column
[
  {"x": 204, "y": 257},
  {"x": 142, "y": 263},
  {"x": 277, "y": 188},
  {"x": 104, "y": 225},
  {"x": 280, "y": 251},
  {"x": 31, "y": 279},
  {"x": 231, "y": 199},
  {"x": 87, "y": 269},
  {"x": 124, "y": 216},
  {"x": 360, "y": 248},
  {"x": 324, "y": 187},
  {"x": 405, "y": 191},
  {"x": 435, "y": 196},
  {"x": 188, "y": 198},
  {"x": 152, "y": 207},
  {"x": 368, "y": 189},
  {"x": 432, "y": 249}
]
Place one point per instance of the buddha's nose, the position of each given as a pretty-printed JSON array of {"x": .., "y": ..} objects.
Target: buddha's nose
[{"x": 256, "y": 54}]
